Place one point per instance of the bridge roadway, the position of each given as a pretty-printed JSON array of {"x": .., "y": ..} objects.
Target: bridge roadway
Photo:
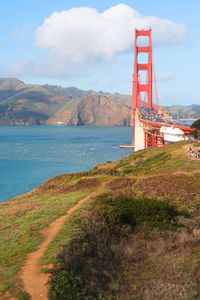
[
  {"x": 148, "y": 123},
  {"x": 153, "y": 118}
]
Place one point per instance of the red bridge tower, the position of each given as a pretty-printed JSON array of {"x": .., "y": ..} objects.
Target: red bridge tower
[{"x": 137, "y": 86}]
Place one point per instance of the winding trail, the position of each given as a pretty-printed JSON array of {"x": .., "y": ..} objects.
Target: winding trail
[{"x": 35, "y": 283}]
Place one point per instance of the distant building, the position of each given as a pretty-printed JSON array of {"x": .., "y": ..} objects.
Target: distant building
[{"x": 172, "y": 134}]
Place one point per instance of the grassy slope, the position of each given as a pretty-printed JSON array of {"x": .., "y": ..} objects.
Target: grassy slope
[
  {"x": 155, "y": 264},
  {"x": 27, "y": 100}
]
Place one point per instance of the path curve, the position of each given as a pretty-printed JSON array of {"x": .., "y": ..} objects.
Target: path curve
[{"x": 35, "y": 283}]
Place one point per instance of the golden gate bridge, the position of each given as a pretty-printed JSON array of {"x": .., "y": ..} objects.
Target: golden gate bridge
[{"x": 152, "y": 126}]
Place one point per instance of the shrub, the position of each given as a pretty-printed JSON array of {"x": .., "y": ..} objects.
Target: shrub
[
  {"x": 124, "y": 210},
  {"x": 86, "y": 266},
  {"x": 24, "y": 296},
  {"x": 196, "y": 127},
  {"x": 92, "y": 262}
]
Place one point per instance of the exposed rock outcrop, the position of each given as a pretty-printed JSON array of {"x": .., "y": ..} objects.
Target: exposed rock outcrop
[{"x": 94, "y": 110}]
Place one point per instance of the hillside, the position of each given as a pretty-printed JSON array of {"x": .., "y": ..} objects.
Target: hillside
[
  {"x": 28, "y": 104},
  {"x": 32, "y": 104},
  {"x": 125, "y": 99},
  {"x": 135, "y": 233},
  {"x": 93, "y": 110},
  {"x": 183, "y": 112}
]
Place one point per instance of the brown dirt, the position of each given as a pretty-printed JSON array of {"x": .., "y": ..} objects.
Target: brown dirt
[{"x": 35, "y": 283}]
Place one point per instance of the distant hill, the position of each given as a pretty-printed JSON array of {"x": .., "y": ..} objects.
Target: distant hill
[
  {"x": 71, "y": 92},
  {"x": 183, "y": 112},
  {"x": 93, "y": 110},
  {"x": 125, "y": 99},
  {"x": 33, "y": 104}
]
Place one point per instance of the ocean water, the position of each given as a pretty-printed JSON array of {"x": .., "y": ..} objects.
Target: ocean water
[{"x": 31, "y": 155}]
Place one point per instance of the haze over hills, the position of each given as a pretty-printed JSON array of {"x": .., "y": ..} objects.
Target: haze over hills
[{"x": 32, "y": 104}]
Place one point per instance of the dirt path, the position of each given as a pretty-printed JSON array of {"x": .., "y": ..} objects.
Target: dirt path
[{"x": 35, "y": 283}]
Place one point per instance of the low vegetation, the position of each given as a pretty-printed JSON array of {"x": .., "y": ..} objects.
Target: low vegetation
[
  {"x": 137, "y": 238},
  {"x": 22, "y": 219},
  {"x": 196, "y": 127},
  {"x": 123, "y": 210},
  {"x": 91, "y": 265}
]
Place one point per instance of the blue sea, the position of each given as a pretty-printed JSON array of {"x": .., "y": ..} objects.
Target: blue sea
[{"x": 31, "y": 155}]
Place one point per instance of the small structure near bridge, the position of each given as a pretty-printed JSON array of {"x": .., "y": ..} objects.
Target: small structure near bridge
[{"x": 172, "y": 134}]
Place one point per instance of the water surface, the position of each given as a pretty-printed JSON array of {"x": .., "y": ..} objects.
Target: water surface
[{"x": 31, "y": 155}]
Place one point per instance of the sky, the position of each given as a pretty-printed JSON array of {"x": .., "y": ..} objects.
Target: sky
[{"x": 89, "y": 44}]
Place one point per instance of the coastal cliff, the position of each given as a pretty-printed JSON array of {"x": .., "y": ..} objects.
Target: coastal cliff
[
  {"x": 94, "y": 110},
  {"x": 130, "y": 229}
]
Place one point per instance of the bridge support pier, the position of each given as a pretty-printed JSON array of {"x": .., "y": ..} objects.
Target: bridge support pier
[{"x": 139, "y": 135}]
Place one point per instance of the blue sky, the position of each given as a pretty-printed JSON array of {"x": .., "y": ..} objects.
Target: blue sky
[{"x": 93, "y": 49}]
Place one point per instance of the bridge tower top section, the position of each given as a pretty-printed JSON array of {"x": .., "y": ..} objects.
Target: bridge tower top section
[{"x": 138, "y": 88}]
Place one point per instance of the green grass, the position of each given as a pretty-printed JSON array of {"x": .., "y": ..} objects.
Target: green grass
[
  {"x": 68, "y": 231},
  {"x": 158, "y": 160},
  {"x": 20, "y": 229}
]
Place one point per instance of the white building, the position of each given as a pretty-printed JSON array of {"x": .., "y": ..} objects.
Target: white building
[{"x": 172, "y": 134}]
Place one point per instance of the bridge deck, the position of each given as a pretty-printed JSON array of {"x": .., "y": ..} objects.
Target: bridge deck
[{"x": 151, "y": 117}]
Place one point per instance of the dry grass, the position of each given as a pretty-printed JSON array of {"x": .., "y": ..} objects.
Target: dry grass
[
  {"x": 182, "y": 190},
  {"x": 121, "y": 185}
]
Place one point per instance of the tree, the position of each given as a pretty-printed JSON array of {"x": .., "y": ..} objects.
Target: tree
[{"x": 196, "y": 127}]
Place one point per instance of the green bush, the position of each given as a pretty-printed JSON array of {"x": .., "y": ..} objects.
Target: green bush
[
  {"x": 24, "y": 296},
  {"x": 89, "y": 265},
  {"x": 124, "y": 210},
  {"x": 86, "y": 265},
  {"x": 128, "y": 170}
]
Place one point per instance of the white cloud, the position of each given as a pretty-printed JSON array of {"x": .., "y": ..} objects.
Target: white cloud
[
  {"x": 78, "y": 37},
  {"x": 84, "y": 34},
  {"x": 165, "y": 76}
]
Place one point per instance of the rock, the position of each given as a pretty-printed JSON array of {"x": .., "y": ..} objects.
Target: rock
[{"x": 94, "y": 110}]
